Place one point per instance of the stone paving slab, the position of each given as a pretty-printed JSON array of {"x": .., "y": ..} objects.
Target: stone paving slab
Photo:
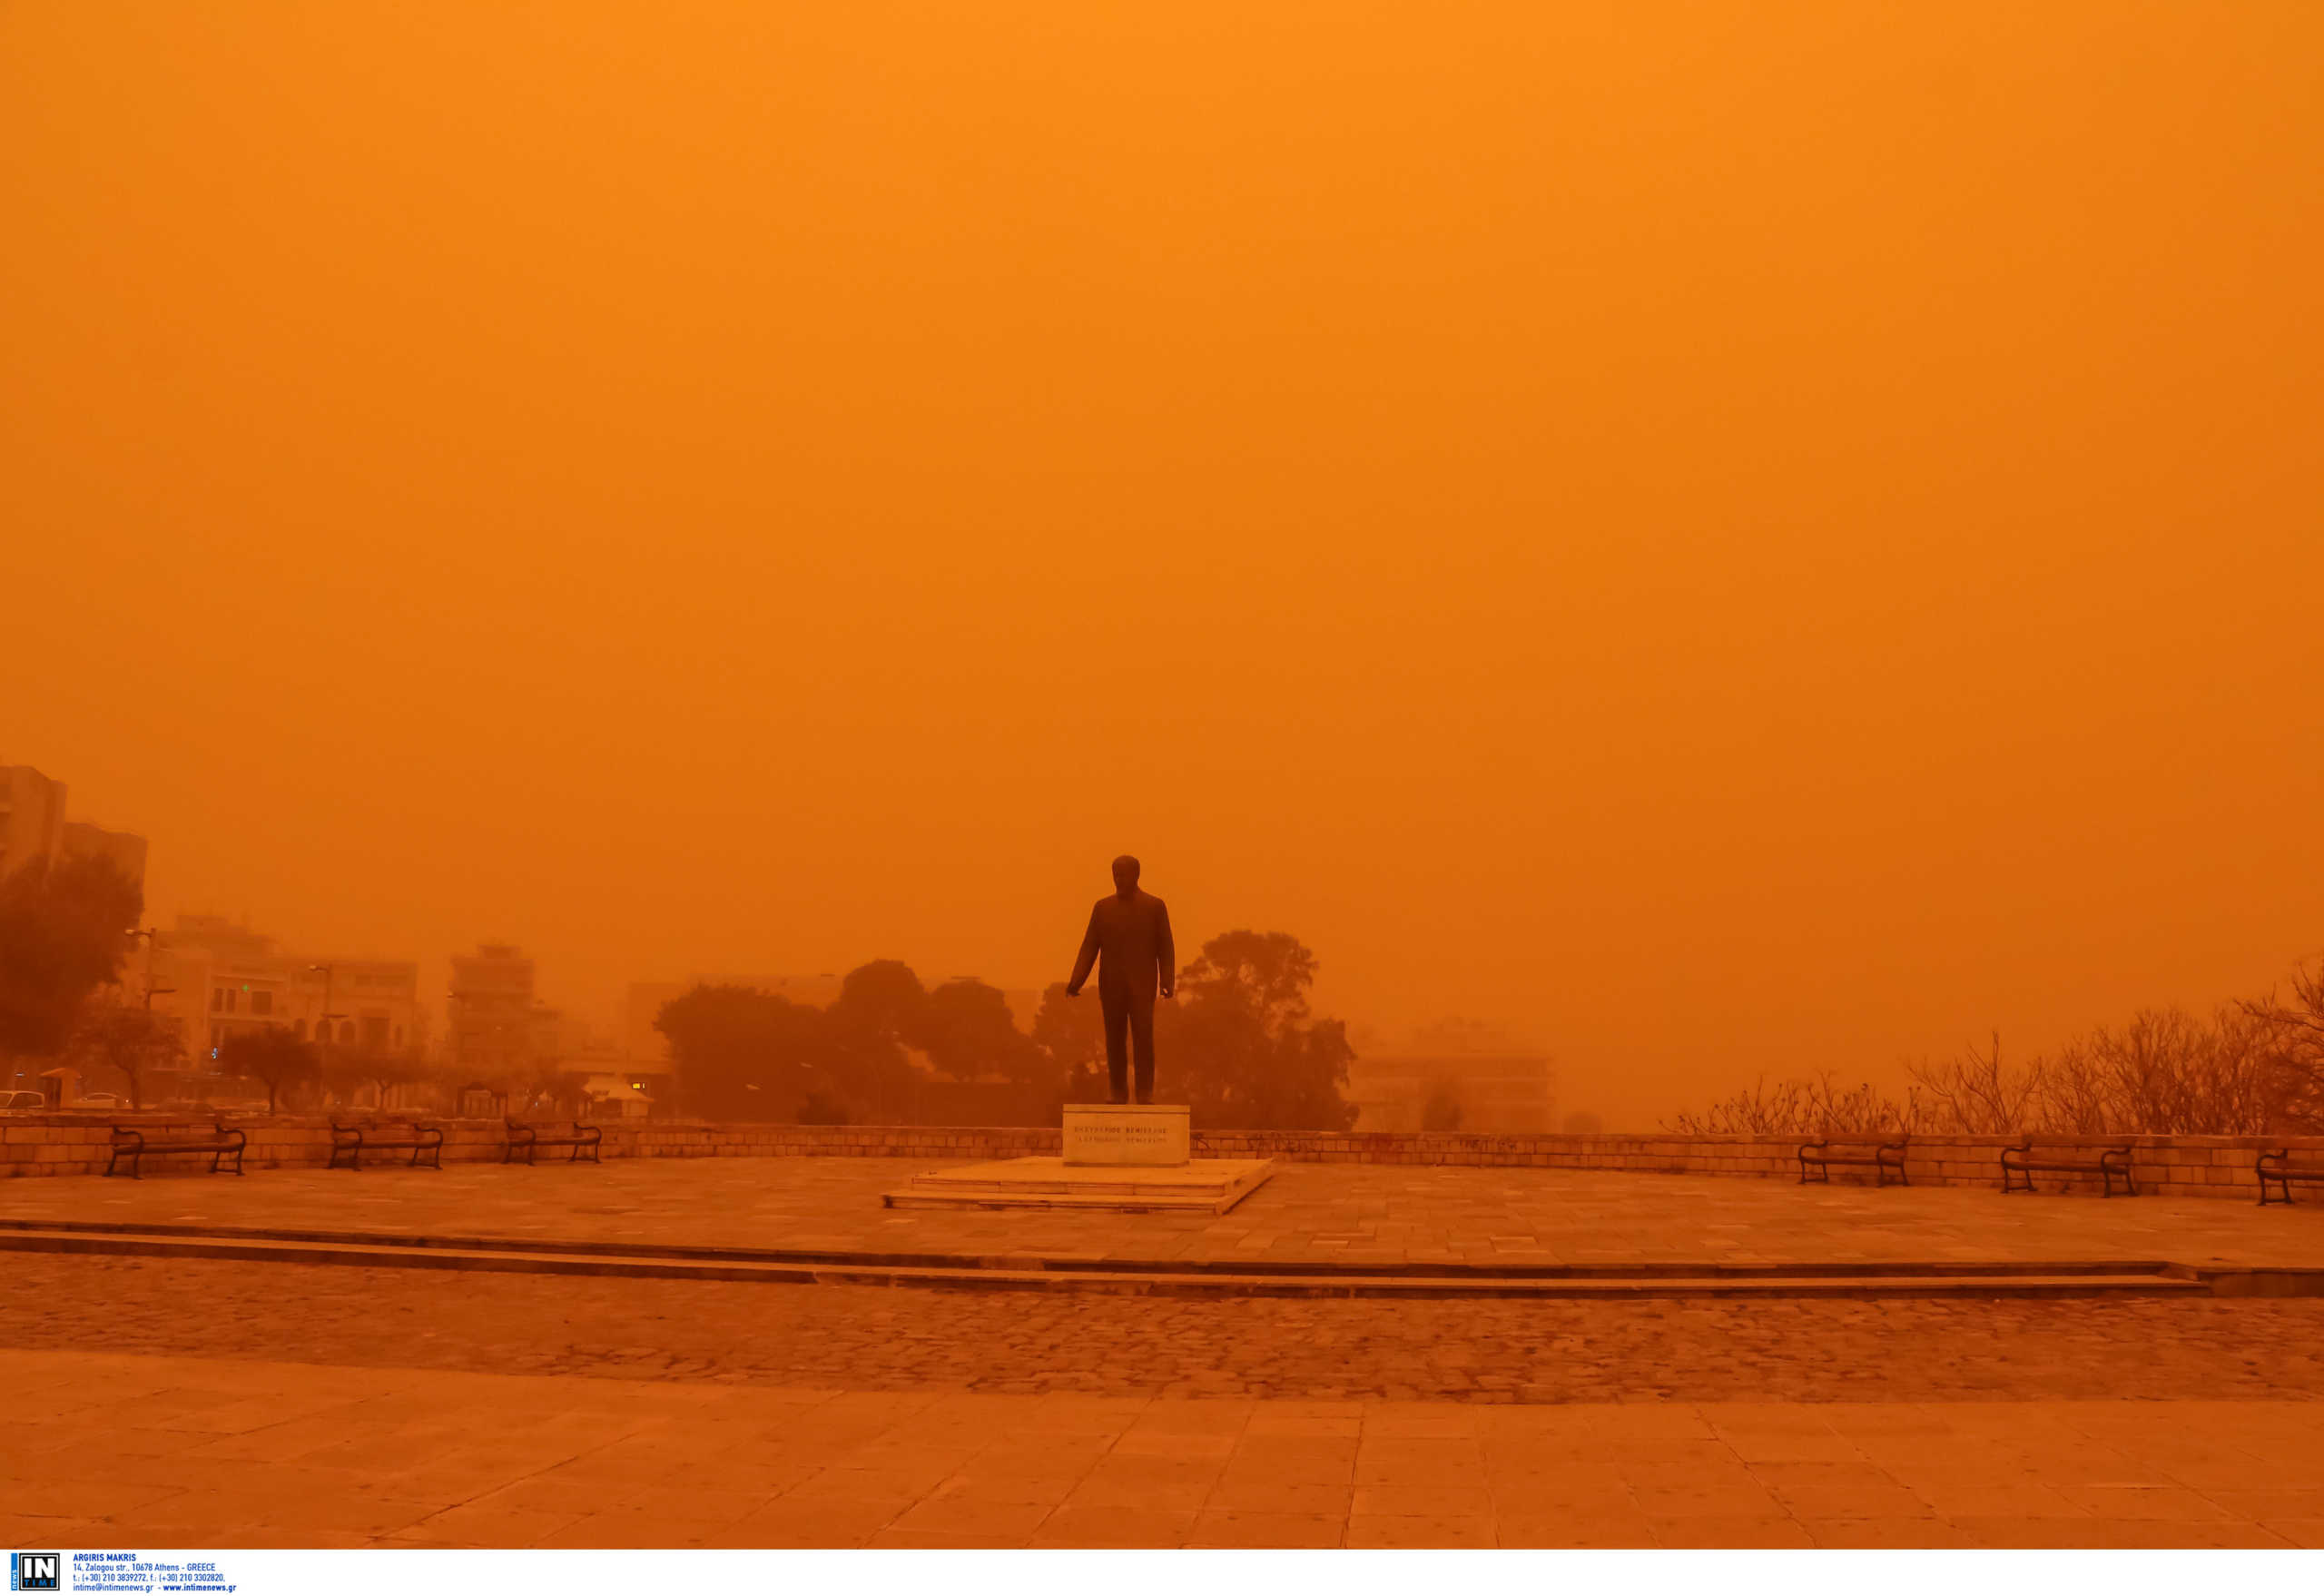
[
  {"x": 128, "y": 1450},
  {"x": 1348, "y": 1213}
]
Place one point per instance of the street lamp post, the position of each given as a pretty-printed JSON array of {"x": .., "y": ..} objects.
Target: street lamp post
[
  {"x": 330, "y": 971},
  {"x": 151, "y": 991}
]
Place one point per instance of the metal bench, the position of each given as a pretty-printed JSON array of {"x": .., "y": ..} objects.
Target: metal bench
[
  {"x": 131, "y": 1142},
  {"x": 350, "y": 1142},
  {"x": 530, "y": 1138},
  {"x": 2111, "y": 1164},
  {"x": 2278, "y": 1167},
  {"x": 1880, "y": 1157}
]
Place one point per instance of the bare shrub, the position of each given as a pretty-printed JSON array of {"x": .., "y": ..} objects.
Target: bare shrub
[
  {"x": 1977, "y": 1094},
  {"x": 1813, "y": 1107},
  {"x": 2235, "y": 1083},
  {"x": 2294, "y": 1031},
  {"x": 2073, "y": 1100},
  {"x": 2251, "y": 1069},
  {"x": 2163, "y": 1073}
]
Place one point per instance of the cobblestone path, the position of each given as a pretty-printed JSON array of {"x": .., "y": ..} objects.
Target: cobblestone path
[{"x": 869, "y": 1338}]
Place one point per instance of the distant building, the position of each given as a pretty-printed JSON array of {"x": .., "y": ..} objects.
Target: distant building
[
  {"x": 126, "y": 851},
  {"x": 32, "y": 817},
  {"x": 33, "y": 826},
  {"x": 1511, "y": 1091},
  {"x": 497, "y": 1024},
  {"x": 218, "y": 978},
  {"x": 376, "y": 1001}
]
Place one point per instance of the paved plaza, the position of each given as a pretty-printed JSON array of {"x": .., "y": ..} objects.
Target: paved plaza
[
  {"x": 220, "y": 1403},
  {"x": 1334, "y": 1213},
  {"x": 157, "y": 1452}
]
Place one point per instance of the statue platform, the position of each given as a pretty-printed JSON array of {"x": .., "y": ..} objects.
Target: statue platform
[
  {"x": 1199, "y": 1184},
  {"x": 1126, "y": 1157}
]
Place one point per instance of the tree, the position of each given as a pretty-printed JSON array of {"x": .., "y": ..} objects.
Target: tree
[
  {"x": 968, "y": 1033},
  {"x": 546, "y": 1081},
  {"x": 880, "y": 1001},
  {"x": 63, "y": 932},
  {"x": 1442, "y": 1111},
  {"x": 888, "y": 1049},
  {"x": 740, "y": 1053},
  {"x": 1268, "y": 972},
  {"x": 1241, "y": 1041},
  {"x": 271, "y": 1055},
  {"x": 2295, "y": 1050},
  {"x": 348, "y": 1071},
  {"x": 1071, "y": 1032},
  {"x": 879, "y": 1012},
  {"x": 970, "y": 1039},
  {"x": 129, "y": 1040}
]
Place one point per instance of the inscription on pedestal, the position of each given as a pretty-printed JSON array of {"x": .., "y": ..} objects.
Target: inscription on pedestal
[{"x": 1141, "y": 1135}]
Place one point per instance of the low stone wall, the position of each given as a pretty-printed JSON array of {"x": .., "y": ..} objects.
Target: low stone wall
[
  {"x": 2182, "y": 1166},
  {"x": 79, "y": 1144},
  {"x": 2178, "y": 1166}
]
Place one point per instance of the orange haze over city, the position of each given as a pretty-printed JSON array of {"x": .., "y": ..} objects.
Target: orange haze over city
[{"x": 1716, "y": 539}]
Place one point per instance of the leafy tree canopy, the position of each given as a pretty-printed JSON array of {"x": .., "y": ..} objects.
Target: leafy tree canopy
[
  {"x": 63, "y": 932},
  {"x": 1240, "y": 1045},
  {"x": 128, "y": 1039},
  {"x": 968, "y": 1033},
  {"x": 271, "y": 1055}
]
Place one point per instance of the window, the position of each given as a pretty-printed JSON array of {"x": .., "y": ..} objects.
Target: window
[
  {"x": 217, "y": 999},
  {"x": 261, "y": 1002},
  {"x": 346, "y": 1032},
  {"x": 298, "y": 1030}
]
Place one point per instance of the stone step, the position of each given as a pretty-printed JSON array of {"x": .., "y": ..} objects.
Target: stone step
[{"x": 972, "y": 1275}]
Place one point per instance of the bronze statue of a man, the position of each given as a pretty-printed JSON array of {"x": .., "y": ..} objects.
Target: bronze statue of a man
[{"x": 1132, "y": 931}]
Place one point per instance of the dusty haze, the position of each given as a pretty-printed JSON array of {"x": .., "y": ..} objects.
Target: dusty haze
[{"x": 1720, "y": 538}]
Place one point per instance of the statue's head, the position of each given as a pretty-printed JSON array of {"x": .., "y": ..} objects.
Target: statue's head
[{"x": 1126, "y": 875}]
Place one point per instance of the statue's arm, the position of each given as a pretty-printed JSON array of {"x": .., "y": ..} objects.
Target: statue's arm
[
  {"x": 1087, "y": 957},
  {"x": 1166, "y": 950}
]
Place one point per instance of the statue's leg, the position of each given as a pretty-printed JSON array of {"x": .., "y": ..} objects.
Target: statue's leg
[
  {"x": 1117, "y": 1012},
  {"x": 1141, "y": 1031}
]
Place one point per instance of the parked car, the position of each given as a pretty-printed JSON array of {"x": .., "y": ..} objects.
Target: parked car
[
  {"x": 23, "y": 1103},
  {"x": 102, "y": 1101}
]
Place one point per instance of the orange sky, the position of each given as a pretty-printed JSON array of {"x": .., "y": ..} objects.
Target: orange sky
[{"x": 1726, "y": 537}]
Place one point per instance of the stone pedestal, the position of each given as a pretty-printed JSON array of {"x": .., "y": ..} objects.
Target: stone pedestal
[{"x": 1141, "y": 1136}]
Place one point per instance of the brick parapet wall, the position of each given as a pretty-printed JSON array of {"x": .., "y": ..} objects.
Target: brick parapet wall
[{"x": 2186, "y": 1166}]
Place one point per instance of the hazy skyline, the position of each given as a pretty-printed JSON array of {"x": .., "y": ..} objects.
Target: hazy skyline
[{"x": 1722, "y": 539}]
